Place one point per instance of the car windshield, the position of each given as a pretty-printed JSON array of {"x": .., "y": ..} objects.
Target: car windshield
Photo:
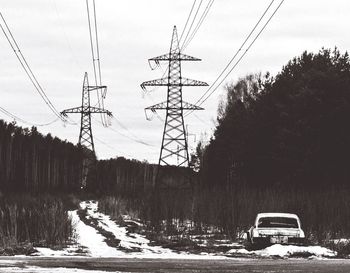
[{"x": 278, "y": 222}]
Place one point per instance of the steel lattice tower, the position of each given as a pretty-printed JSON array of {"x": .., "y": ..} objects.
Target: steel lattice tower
[
  {"x": 174, "y": 143},
  {"x": 85, "y": 137}
]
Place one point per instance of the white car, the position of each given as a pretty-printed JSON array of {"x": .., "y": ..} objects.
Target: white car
[{"x": 276, "y": 228}]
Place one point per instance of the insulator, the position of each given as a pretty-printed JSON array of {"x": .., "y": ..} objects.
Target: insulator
[
  {"x": 150, "y": 64},
  {"x": 148, "y": 117}
]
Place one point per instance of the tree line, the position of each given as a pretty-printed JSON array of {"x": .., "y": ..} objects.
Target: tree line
[
  {"x": 289, "y": 130},
  {"x": 30, "y": 161}
]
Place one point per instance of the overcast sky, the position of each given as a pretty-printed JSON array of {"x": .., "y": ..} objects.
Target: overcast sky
[{"x": 54, "y": 37}]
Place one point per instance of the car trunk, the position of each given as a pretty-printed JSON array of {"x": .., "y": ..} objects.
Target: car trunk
[{"x": 293, "y": 232}]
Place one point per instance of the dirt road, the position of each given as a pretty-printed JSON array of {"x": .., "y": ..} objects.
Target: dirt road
[{"x": 92, "y": 265}]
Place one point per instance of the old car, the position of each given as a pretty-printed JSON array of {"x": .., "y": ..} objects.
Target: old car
[{"x": 276, "y": 228}]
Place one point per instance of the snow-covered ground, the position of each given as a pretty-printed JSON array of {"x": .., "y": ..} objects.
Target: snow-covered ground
[
  {"x": 285, "y": 251},
  {"x": 89, "y": 242}
]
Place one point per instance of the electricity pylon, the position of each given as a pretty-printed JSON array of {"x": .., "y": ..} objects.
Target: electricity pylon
[
  {"x": 174, "y": 143},
  {"x": 86, "y": 140}
]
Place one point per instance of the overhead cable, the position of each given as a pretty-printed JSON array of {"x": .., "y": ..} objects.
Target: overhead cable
[
  {"x": 188, "y": 18},
  {"x": 199, "y": 24},
  {"x": 133, "y": 137},
  {"x": 29, "y": 72},
  {"x": 212, "y": 89},
  {"x": 95, "y": 52},
  {"x": 16, "y": 118},
  {"x": 193, "y": 20}
]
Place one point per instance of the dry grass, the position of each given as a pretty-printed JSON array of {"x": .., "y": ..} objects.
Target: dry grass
[{"x": 38, "y": 220}]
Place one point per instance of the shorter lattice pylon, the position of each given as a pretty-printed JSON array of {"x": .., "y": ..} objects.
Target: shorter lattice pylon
[{"x": 86, "y": 140}]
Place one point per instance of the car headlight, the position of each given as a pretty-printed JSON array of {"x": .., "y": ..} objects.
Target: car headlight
[{"x": 301, "y": 234}]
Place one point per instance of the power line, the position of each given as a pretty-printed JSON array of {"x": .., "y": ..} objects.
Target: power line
[
  {"x": 16, "y": 118},
  {"x": 245, "y": 52},
  {"x": 188, "y": 18},
  {"x": 111, "y": 147},
  {"x": 239, "y": 49},
  {"x": 133, "y": 138},
  {"x": 60, "y": 20},
  {"x": 103, "y": 142},
  {"x": 15, "y": 47},
  {"x": 201, "y": 100},
  {"x": 201, "y": 120},
  {"x": 97, "y": 45},
  {"x": 193, "y": 20},
  {"x": 199, "y": 24},
  {"x": 91, "y": 41},
  {"x": 96, "y": 58}
]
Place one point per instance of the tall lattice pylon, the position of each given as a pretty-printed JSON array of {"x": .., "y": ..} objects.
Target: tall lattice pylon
[
  {"x": 85, "y": 137},
  {"x": 174, "y": 148}
]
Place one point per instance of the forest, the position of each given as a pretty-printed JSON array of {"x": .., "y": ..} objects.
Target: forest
[
  {"x": 281, "y": 143},
  {"x": 30, "y": 161}
]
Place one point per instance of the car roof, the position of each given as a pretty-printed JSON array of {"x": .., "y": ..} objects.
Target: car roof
[{"x": 277, "y": 214}]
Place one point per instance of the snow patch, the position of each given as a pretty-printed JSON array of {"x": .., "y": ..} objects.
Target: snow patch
[{"x": 285, "y": 251}]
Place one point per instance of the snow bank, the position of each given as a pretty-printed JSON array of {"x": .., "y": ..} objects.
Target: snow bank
[{"x": 285, "y": 251}]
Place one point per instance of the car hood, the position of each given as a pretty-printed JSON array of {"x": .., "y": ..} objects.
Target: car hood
[{"x": 279, "y": 231}]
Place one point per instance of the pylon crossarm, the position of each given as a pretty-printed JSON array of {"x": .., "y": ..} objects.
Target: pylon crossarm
[
  {"x": 72, "y": 111},
  {"x": 158, "y": 106},
  {"x": 190, "y": 106},
  {"x": 189, "y": 82},
  {"x": 99, "y": 110},
  {"x": 165, "y": 82},
  {"x": 174, "y": 57},
  {"x": 157, "y": 82}
]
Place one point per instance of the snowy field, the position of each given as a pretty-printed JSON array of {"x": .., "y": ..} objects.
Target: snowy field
[
  {"x": 134, "y": 253},
  {"x": 89, "y": 242}
]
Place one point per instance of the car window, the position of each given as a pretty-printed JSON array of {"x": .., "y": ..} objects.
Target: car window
[{"x": 278, "y": 222}]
